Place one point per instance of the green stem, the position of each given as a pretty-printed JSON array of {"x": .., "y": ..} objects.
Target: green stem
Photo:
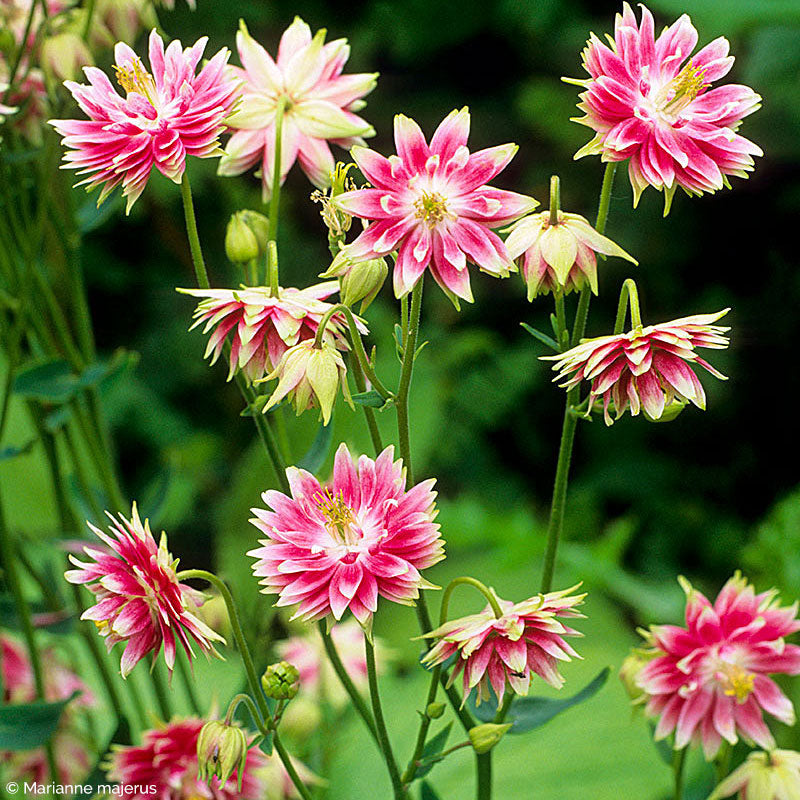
[
  {"x": 87, "y": 24},
  {"x": 722, "y": 763},
  {"x": 275, "y": 198},
  {"x": 561, "y": 319},
  {"x": 380, "y": 723},
  {"x": 465, "y": 580},
  {"x": 484, "y": 776},
  {"x": 289, "y": 766},
  {"x": 251, "y": 707},
  {"x": 678, "y": 766},
  {"x": 336, "y": 662},
  {"x": 422, "y": 735},
  {"x": 272, "y": 267},
  {"x": 369, "y": 413},
  {"x": 188, "y": 682},
  {"x": 555, "y": 199},
  {"x": 410, "y": 335},
  {"x": 194, "y": 237},
  {"x": 502, "y": 712},
  {"x": 558, "y": 503},
  {"x": 160, "y": 689},
  {"x": 358, "y": 345},
  {"x": 628, "y": 295}
]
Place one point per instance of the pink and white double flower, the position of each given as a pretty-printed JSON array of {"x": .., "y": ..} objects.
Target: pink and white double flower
[{"x": 431, "y": 204}]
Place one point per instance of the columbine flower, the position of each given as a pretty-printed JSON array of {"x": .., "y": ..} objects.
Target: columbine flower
[
  {"x": 645, "y": 368},
  {"x": 763, "y": 776},
  {"x": 317, "y": 677},
  {"x": 264, "y": 326},
  {"x": 528, "y": 639},
  {"x": 340, "y": 546},
  {"x": 139, "y": 598},
  {"x": 431, "y": 204},
  {"x": 319, "y": 105},
  {"x": 163, "y": 118},
  {"x": 310, "y": 376},
  {"x": 709, "y": 681},
  {"x": 167, "y": 759},
  {"x": 17, "y": 686},
  {"x": 560, "y": 255},
  {"x": 649, "y": 104}
]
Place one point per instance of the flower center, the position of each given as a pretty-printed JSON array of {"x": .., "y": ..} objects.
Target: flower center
[
  {"x": 431, "y": 208},
  {"x": 102, "y": 626},
  {"x": 338, "y": 516},
  {"x": 135, "y": 78},
  {"x": 681, "y": 90},
  {"x": 735, "y": 681}
]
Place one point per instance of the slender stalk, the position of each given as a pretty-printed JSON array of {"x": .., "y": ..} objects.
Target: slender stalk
[
  {"x": 346, "y": 681},
  {"x": 273, "y": 275},
  {"x": 502, "y": 712},
  {"x": 160, "y": 689},
  {"x": 484, "y": 776},
  {"x": 628, "y": 295},
  {"x": 277, "y": 168},
  {"x": 87, "y": 23},
  {"x": 369, "y": 413},
  {"x": 555, "y": 199},
  {"x": 289, "y": 766},
  {"x": 380, "y": 723},
  {"x": 251, "y": 707},
  {"x": 722, "y": 763},
  {"x": 559, "y": 499},
  {"x": 194, "y": 236},
  {"x": 678, "y": 767},
  {"x": 465, "y": 580},
  {"x": 422, "y": 735},
  {"x": 410, "y": 335}
]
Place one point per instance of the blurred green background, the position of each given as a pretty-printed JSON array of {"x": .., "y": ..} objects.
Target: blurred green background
[{"x": 703, "y": 495}]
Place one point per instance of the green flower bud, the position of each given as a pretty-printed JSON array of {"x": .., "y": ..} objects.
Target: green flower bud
[
  {"x": 241, "y": 244},
  {"x": 638, "y": 658},
  {"x": 281, "y": 681},
  {"x": 221, "y": 749},
  {"x": 485, "y": 737},
  {"x": 435, "y": 710},
  {"x": 259, "y": 224},
  {"x": 358, "y": 280}
]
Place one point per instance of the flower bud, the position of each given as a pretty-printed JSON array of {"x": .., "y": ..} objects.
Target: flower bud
[
  {"x": 358, "y": 280},
  {"x": 281, "y": 681},
  {"x": 259, "y": 224},
  {"x": 485, "y": 737},
  {"x": 64, "y": 54},
  {"x": 636, "y": 660},
  {"x": 241, "y": 244},
  {"x": 435, "y": 710},
  {"x": 221, "y": 749}
]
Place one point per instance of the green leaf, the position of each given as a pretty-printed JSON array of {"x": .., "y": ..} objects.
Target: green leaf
[
  {"x": 528, "y": 713},
  {"x": 427, "y": 792},
  {"x": 13, "y": 452},
  {"x": 318, "y": 452},
  {"x": 430, "y": 753},
  {"x": 265, "y": 745},
  {"x": 371, "y": 398},
  {"x": 43, "y": 618},
  {"x": 542, "y": 337},
  {"x": 29, "y": 725},
  {"x": 51, "y": 381},
  {"x": 257, "y": 406}
]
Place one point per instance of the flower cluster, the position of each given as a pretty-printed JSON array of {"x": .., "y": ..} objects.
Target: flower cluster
[
  {"x": 341, "y": 546},
  {"x": 508, "y": 649},
  {"x": 709, "y": 680},
  {"x": 139, "y": 598}
]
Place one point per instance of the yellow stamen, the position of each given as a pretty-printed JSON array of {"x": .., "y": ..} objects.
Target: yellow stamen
[
  {"x": 336, "y": 512},
  {"x": 135, "y": 78},
  {"x": 432, "y": 208},
  {"x": 736, "y": 682},
  {"x": 682, "y": 89},
  {"x": 102, "y": 626}
]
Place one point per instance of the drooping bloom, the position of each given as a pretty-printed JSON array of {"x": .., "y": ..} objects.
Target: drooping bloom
[
  {"x": 560, "y": 255},
  {"x": 310, "y": 376},
  {"x": 164, "y": 117},
  {"x": 647, "y": 103},
  {"x": 339, "y": 546},
  {"x": 528, "y": 639},
  {"x": 139, "y": 598},
  {"x": 60, "y": 682},
  {"x": 317, "y": 677},
  {"x": 646, "y": 368},
  {"x": 710, "y": 680},
  {"x": 431, "y": 204},
  {"x": 763, "y": 776},
  {"x": 167, "y": 759},
  {"x": 263, "y": 327},
  {"x": 319, "y": 105}
]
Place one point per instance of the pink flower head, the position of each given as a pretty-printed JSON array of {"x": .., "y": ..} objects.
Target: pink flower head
[
  {"x": 340, "y": 546},
  {"x": 431, "y": 204},
  {"x": 560, "y": 255},
  {"x": 319, "y": 105},
  {"x": 264, "y": 326},
  {"x": 647, "y": 103},
  {"x": 317, "y": 677},
  {"x": 528, "y": 639},
  {"x": 139, "y": 598},
  {"x": 163, "y": 118},
  {"x": 167, "y": 759},
  {"x": 709, "y": 681},
  {"x": 645, "y": 368}
]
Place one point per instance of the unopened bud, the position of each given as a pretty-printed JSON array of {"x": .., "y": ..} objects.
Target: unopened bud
[
  {"x": 64, "y": 54},
  {"x": 221, "y": 749},
  {"x": 358, "y": 280},
  {"x": 435, "y": 710},
  {"x": 241, "y": 245},
  {"x": 485, "y": 737},
  {"x": 281, "y": 681},
  {"x": 259, "y": 224}
]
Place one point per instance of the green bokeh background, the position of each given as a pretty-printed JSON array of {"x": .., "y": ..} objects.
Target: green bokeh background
[{"x": 703, "y": 495}]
